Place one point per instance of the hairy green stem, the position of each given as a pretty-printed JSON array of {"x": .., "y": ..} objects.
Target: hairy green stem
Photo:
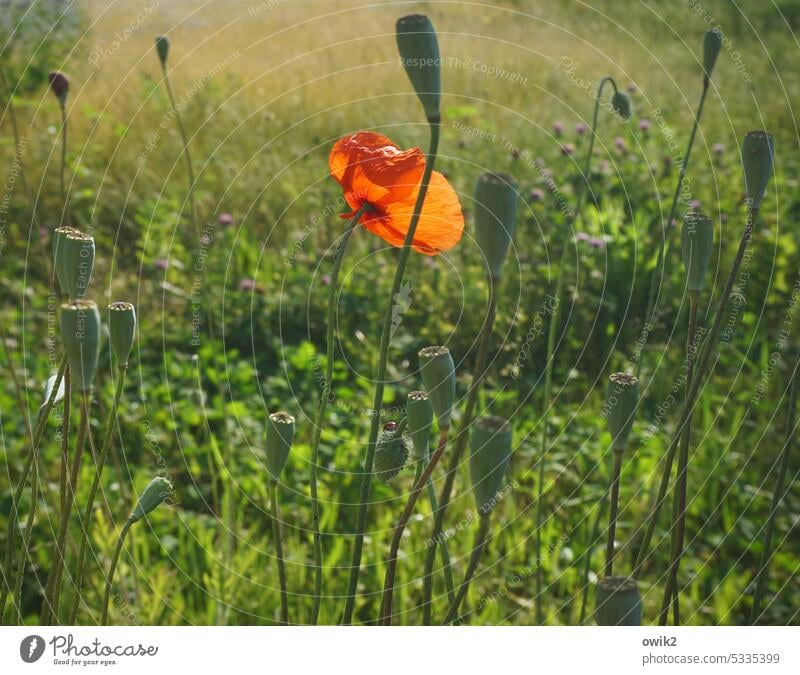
[
  {"x": 276, "y": 535},
  {"x": 679, "y": 512},
  {"x": 460, "y": 444},
  {"x": 323, "y": 407},
  {"x": 110, "y": 578},
  {"x": 613, "y": 512},
  {"x": 391, "y": 565},
  {"x": 587, "y": 560},
  {"x": 655, "y": 275},
  {"x": 777, "y": 498},
  {"x": 366, "y": 475},
  {"x": 708, "y": 347},
  {"x": 474, "y": 559},
  {"x": 88, "y": 513}
]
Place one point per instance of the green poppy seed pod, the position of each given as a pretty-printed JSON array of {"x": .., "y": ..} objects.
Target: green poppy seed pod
[
  {"x": 391, "y": 453},
  {"x": 59, "y": 85},
  {"x": 495, "y": 217},
  {"x": 621, "y": 402},
  {"x": 439, "y": 377},
  {"x": 122, "y": 329},
  {"x": 712, "y": 43},
  {"x": 419, "y": 54},
  {"x": 490, "y": 455},
  {"x": 74, "y": 263},
  {"x": 280, "y": 432},
  {"x": 697, "y": 243},
  {"x": 419, "y": 413},
  {"x": 156, "y": 492},
  {"x": 59, "y": 236},
  {"x": 622, "y": 105},
  {"x": 162, "y": 47},
  {"x": 617, "y": 602},
  {"x": 80, "y": 333},
  {"x": 758, "y": 158}
]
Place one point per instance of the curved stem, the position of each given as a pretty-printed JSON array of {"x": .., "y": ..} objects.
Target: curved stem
[
  {"x": 475, "y": 557},
  {"x": 26, "y": 540},
  {"x": 41, "y": 424},
  {"x": 708, "y": 346},
  {"x": 391, "y": 566},
  {"x": 276, "y": 535},
  {"x": 460, "y": 444},
  {"x": 185, "y": 141},
  {"x": 777, "y": 498},
  {"x": 51, "y": 600},
  {"x": 323, "y": 406},
  {"x": 679, "y": 516},
  {"x": 110, "y": 578},
  {"x": 551, "y": 341},
  {"x": 652, "y": 298},
  {"x": 87, "y": 517},
  {"x": 613, "y": 512},
  {"x": 366, "y": 476}
]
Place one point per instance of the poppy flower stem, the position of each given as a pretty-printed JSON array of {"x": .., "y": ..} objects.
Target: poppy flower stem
[
  {"x": 702, "y": 362},
  {"x": 678, "y": 527},
  {"x": 38, "y": 431},
  {"x": 113, "y": 567},
  {"x": 276, "y": 535},
  {"x": 65, "y": 216},
  {"x": 474, "y": 559},
  {"x": 612, "y": 518},
  {"x": 391, "y": 565},
  {"x": 87, "y": 516},
  {"x": 655, "y": 275},
  {"x": 777, "y": 497},
  {"x": 551, "y": 343},
  {"x": 327, "y": 389},
  {"x": 366, "y": 476},
  {"x": 463, "y": 434}
]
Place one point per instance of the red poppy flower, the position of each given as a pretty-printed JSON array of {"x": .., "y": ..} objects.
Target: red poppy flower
[{"x": 373, "y": 170}]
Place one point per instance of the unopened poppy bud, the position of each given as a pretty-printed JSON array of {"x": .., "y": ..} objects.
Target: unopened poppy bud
[
  {"x": 621, "y": 103},
  {"x": 712, "y": 43},
  {"x": 419, "y": 413},
  {"x": 162, "y": 47},
  {"x": 121, "y": 329},
  {"x": 758, "y": 157},
  {"x": 280, "y": 432},
  {"x": 156, "y": 492},
  {"x": 59, "y": 236},
  {"x": 419, "y": 54},
  {"x": 391, "y": 453},
  {"x": 80, "y": 334},
  {"x": 490, "y": 455},
  {"x": 621, "y": 402},
  {"x": 617, "y": 602},
  {"x": 495, "y": 217},
  {"x": 74, "y": 261},
  {"x": 439, "y": 377},
  {"x": 59, "y": 84},
  {"x": 697, "y": 243}
]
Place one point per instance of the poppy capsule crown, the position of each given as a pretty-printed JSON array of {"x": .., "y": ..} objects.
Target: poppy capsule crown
[
  {"x": 419, "y": 413},
  {"x": 621, "y": 402},
  {"x": 121, "y": 329},
  {"x": 622, "y": 105},
  {"x": 758, "y": 158},
  {"x": 439, "y": 377},
  {"x": 162, "y": 48},
  {"x": 156, "y": 492},
  {"x": 495, "y": 218},
  {"x": 712, "y": 43},
  {"x": 618, "y": 602},
  {"x": 280, "y": 433},
  {"x": 490, "y": 455},
  {"x": 59, "y": 84},
  {"x": 419, "y": 54},
  {"x": 80, "y": 334},
  {"x": 697, "y": 243}
]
